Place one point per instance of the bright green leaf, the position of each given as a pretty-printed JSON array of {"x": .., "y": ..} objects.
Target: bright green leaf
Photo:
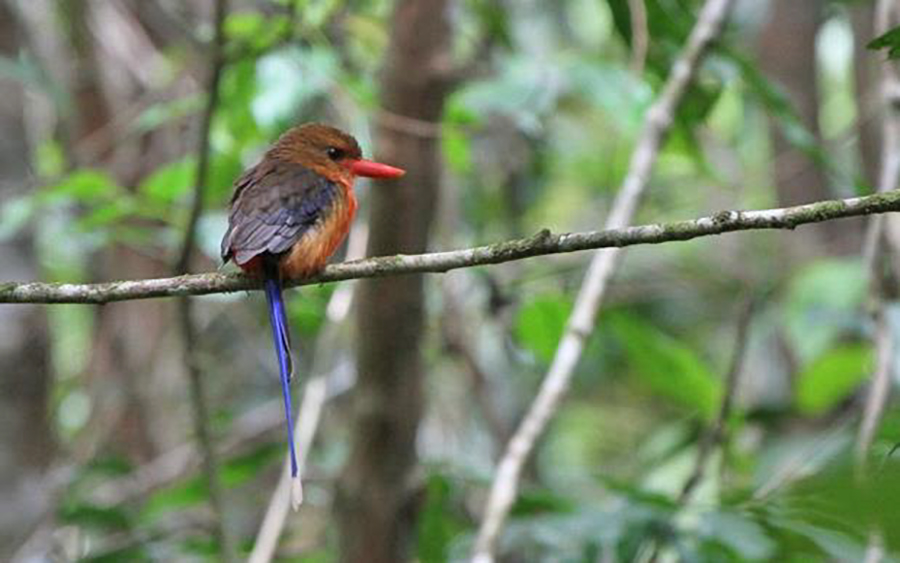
[
  {"x": 540, "y": 324},
  {"x": 457, "y": 150},
  {"x": 668, "y": 366},
  {"x": 85, "y": 186},
  {"x": 50, "y": 160},
  {"x": 832, "y": 377},
  {"x": 169, "y": 182}
]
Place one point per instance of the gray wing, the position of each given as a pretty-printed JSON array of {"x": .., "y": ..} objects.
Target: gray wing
[{"x": 275, "y": 203}]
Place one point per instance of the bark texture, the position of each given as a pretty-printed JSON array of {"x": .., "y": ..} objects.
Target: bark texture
[{"x": 375, "y": 510}]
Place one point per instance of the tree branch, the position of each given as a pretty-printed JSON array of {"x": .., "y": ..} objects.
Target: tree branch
[
  {"x": 657, "y": 123},
  {"x": 541, "y": 244},
  {"x": 882, "y": 243},
  {"x": 187, "y": 324}
]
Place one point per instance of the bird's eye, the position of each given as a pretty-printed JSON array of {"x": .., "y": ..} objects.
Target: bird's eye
[{"x": 335, "y": 153}]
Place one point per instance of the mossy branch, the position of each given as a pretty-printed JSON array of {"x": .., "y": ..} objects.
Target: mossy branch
[{"x": 541, "y": 244}]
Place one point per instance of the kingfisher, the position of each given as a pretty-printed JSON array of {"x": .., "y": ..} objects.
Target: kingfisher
[{"x": 288, "y": 215}]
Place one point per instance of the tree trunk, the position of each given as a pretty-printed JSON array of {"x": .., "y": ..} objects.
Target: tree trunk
[
  {"x": 375, "y": 508},
  {"x": 788, "y": 56}
]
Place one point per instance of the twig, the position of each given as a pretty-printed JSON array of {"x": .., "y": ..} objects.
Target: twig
[
  {"x": 717, "y": 431},
  {"x": 807, "y": 457},
  {"x": 182, "y": 460},
  {"x": 187, "y": 325},
  {"x": 200, "y": 410},
  {"x": 284, "y": 39},
  {"x": 542, "y": 244},
  {"x": 640, "y": 35},
  {"x": 203, "y": 150},
  {"x": 657, "y": 123},
  {"x": 276, "y": 514},
  {"x": 456, "y": 340}
]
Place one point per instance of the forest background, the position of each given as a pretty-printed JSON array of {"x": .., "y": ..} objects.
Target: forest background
[{"x": 729, "y": 401}]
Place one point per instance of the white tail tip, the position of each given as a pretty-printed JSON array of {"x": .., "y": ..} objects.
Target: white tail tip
[{"x": 296, "y": 493}]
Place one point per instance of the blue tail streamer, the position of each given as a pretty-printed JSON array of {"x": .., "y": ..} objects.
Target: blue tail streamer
[{"x": 278, "y": 319}]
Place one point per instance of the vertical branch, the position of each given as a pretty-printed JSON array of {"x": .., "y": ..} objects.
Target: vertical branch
[
  {"x": 185, "y": 306},
  {"x": 217, "y": 59},
  {"x": 657, "y": 123},
  {"x": 716, "y": 434},
  {"x": 881, "y": 243},
  {"x": 375, "y": 508},
  {"x": 640, "y": 35}
]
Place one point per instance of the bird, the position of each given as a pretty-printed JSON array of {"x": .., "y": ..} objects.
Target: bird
[{"x": 288, "y": 214}]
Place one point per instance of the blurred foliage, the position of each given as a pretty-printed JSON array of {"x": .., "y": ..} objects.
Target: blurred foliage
[
  {"x": 889, "y": 42},
  {"x": 539, "y": 138}
]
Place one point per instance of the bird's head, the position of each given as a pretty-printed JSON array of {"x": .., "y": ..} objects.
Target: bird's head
[{"x": 330, "y": 152}]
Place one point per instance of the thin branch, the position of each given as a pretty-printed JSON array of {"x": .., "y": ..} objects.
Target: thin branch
[
  {"x": 187, "y": 324},
  {"x": 640, "y": 35},
  {"x": 879, "y": 389},
  {"x": 181, "y": 461},
  {"x": 542, "y": 244},
  {"x": 881, "y": 243},
  {"x": 717, "y": 432},
  {"x": 457, "y": 340},
  {"x": 314, "y": 398},
  {"x": 203, "y": 149},
  {"x": 657, "y": 123},
  {"x": 200, "y": 410}
]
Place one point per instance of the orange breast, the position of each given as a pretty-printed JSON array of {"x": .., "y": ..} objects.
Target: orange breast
[{"x": 310, "y": 254}]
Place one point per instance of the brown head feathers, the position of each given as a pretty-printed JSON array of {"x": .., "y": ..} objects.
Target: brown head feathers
[{"x": 322, "y": 148}]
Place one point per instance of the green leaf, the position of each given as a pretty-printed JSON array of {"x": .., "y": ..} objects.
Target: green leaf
[
  {"x": 175, "y": 497},
  {"x": 540, "y": 324},
  {"x": 89, "y": 515},
  {"x": 438, "y": 524},
  {"x": 50, "y": 160},
  {"x": 889, "y": 41},
  {"x": 306, "y": 309},
  {"x": 824, "y": 303},
  {"x": 541, "y": 501},
  {"x": 668, "y": 366},
  {"x": 107, "y": 214},
  {"x": 457, "y": 150},
  {"x": 238, "y": 470},
  {"x": 130, "y": 552},
  {"x": 244, "y": 26},
  {"x": 738, "y": 533},
  {"x": 85, "y": 186},
  {"x": 832, "y": 377},
  {"x": 169, "y": 182}
]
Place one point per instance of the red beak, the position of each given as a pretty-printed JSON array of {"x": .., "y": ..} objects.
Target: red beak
[{"x": 369, "y": 169}]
